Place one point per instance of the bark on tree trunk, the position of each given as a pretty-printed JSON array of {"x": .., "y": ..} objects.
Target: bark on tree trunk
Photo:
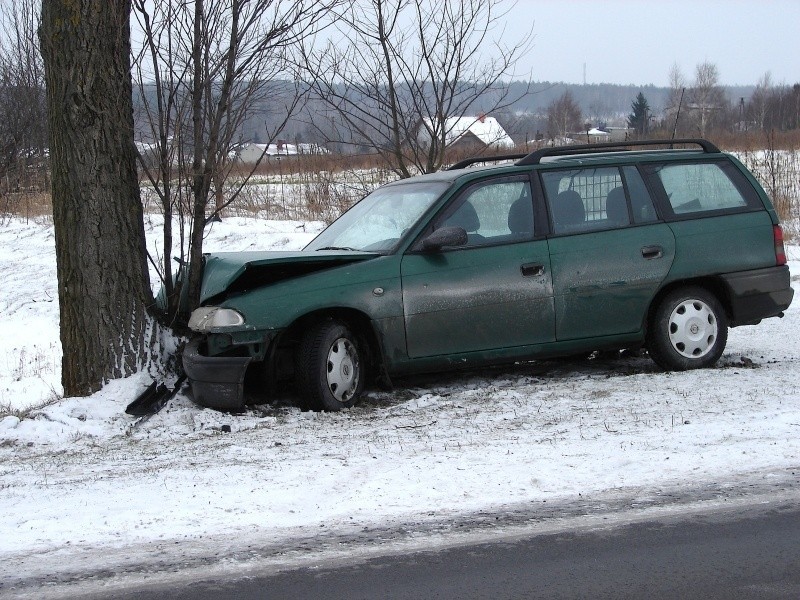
[{"x": 103, "y": 282}]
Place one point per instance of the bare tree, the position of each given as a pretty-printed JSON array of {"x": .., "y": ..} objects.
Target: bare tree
[
  {"x": 103, "y": 285},
  {"x": 23, "y": 127},
  {"x": 563, "y": 116},
  {"x": 759, "y": 101},
  {"x": 402, "y": 68},
  {"x": 203, "y": 69},
  {"x": 706, "y": 97},
  {"x": 778, "y": 107},
  {"x": 783, "y": 108},
  {"x": 675, "y": 101}
]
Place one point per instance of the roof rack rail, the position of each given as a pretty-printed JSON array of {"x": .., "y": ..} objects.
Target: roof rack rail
[
  {"x": 478, "y": 159},
  {"x": 535, "y": 157}
]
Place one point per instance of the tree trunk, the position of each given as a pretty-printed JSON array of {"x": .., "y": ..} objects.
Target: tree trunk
[{"x": 103, "y": 282}]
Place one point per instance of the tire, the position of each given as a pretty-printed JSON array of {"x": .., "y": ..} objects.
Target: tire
[
  {"x": 329, "y": 367},
  {"x": 689, "y": 330}
]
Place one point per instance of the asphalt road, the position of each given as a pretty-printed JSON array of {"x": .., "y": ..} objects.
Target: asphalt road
[{"x": 749, "y": 553}]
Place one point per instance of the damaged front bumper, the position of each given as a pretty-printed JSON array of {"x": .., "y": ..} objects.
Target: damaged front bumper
[{"x": 216, "y": 381}]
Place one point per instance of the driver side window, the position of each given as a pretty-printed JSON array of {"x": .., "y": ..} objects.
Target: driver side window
[{"x": 493, "y": 212}]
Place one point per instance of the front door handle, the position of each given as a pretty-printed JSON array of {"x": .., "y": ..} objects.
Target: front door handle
[
  {"x": 532, "y": 270},
  {"x": 651, "y": 252}
]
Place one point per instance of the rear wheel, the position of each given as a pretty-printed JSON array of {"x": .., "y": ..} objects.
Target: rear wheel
[
  {"x": 689, "y": 330},
  {"x": 329, "y": 369}
]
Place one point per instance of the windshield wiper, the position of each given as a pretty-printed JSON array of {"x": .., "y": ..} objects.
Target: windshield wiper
[{"x": 338, "y": 248}]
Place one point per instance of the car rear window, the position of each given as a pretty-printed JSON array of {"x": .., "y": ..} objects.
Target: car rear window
[{"x": 704, "y": 188}]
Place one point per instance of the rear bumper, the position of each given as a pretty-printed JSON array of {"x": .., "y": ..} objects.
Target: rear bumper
[
  {"x": 216, "y": 381},
  {"x": 758, "y": 294}
]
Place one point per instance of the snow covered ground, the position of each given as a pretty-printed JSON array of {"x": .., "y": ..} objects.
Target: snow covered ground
[{"x": 83, "y": 487}]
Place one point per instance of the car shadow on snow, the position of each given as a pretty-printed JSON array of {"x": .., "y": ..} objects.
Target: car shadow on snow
[
  {"x": 594, "y": 365},
  {"x": 561, "y": 369}
]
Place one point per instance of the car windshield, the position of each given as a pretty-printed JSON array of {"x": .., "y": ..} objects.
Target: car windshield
[{"x": 376, "y": 223}]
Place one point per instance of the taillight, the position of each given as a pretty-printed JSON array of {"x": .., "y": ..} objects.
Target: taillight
[{"x": 780, "y": 251}]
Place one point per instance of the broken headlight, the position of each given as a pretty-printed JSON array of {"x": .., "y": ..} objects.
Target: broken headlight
[{"x": 206, "y": 318}]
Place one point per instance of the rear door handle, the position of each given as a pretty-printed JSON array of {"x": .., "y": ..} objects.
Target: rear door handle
[
  {"x": 532, "y": 270},
  {"x": 651, "y": 252}
]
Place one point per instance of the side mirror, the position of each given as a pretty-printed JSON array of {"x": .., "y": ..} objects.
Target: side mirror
[{"x": 445, "y": 236}]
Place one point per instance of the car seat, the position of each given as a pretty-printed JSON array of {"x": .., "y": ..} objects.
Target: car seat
[
  {"x": 520, "y": 217},
  {"x": 568, "y": 211},
  {"x": 467, "y": 218},
  {"x": 617, "y": 207}
]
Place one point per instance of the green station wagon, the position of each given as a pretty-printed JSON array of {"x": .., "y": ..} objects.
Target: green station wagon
[{"x": 565, "y": 251}]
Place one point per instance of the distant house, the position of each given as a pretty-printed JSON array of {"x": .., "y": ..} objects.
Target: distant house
[
  {"x": 592, "y": 136},
  {"x": 250, "y": 153},
  {"x": 600, "y": 133},
  {"x": 619, "y": 134},
  {"x": 468, "y": 132},
  {"x": 146, "y": 148}
]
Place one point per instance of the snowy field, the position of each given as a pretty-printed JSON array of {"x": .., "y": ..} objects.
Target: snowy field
[{"x": 83, "y": 487}]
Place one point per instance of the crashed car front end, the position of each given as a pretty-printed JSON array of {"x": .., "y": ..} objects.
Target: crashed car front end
[
  {"x": 258, "y": 309},
  {"x": 232, "y": 330},
  {"x": 216, "y": 361}
]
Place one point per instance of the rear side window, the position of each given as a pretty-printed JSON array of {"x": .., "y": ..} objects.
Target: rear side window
[
  {"x": 586, "y": 199},
  {"x": 704, "y": 188}
]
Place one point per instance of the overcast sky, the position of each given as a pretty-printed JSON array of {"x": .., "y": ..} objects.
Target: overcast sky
[{"x": 638, "y": 41}]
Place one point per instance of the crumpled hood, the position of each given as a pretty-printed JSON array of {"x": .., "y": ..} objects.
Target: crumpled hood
[{"x": 229, "y": 272}]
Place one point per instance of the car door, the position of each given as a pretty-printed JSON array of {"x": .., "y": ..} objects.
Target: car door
[
  {"x": 495, "y": 291},
  {"x": 609, "y": 252}
]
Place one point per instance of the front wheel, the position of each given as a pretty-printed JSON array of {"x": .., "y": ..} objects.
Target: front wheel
[
  {"x": 329, "y": 369},
  {"x": 689, "y": 330}
]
